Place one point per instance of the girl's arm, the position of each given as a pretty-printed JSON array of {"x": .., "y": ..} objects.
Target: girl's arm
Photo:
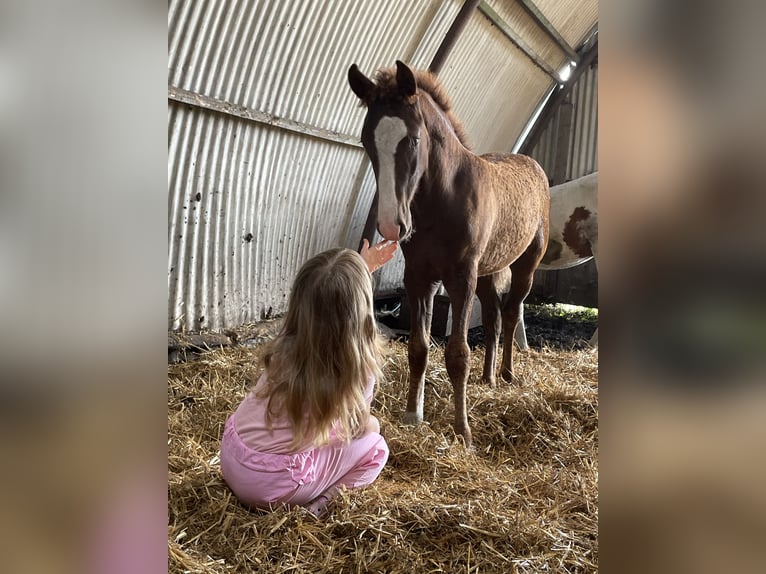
[
  {"x": 378, "y": 255},
  {"x": 373, "y": 425}
]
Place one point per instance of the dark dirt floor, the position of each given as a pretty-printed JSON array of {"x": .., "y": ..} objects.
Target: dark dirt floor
[
  {"x": 547, "y": 325},
  {"x": 558, "y": 327}
]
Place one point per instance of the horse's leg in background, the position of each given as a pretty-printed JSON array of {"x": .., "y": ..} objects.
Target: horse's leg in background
[
  {"x": 520, "y": 336},
  {"x": 420, "y": 294},
  {"x": 490, "y": 318},
  {"x": 460, "y": 286},
  {"x": 523, "y": 273}
]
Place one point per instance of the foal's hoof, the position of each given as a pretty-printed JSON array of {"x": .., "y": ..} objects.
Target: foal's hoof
[
  {"x": 507, "y": 375},
  {"x": 412, "y": 418},
  {"x": 467, "y": 438},
  {"x": 491, "y": 382}
]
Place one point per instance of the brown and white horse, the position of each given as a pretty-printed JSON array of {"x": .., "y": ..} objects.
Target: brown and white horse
[
  {"x": 462, "y": 219},
  {"x": 573, "y": 232}
]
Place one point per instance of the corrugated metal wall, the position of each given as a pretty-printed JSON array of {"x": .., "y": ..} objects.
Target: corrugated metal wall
[
  {"x": 251, "y": 204},
  {"x": 248, "y": 202},
  {"x": 582, "y": 147}
]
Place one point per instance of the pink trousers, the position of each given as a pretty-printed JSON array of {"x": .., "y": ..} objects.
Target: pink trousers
[{"x": 263, "y": 480}]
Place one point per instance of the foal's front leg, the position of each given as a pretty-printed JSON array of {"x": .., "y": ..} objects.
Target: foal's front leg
[
  {"x": 420, "y": 294},
  {"x": 460, "y": 287}
]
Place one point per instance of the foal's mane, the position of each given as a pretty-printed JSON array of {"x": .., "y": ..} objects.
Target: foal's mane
[{"x": 385, "y": 78}]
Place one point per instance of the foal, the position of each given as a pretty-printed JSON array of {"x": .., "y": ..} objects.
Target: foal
[{"x": 462, "y": 220}]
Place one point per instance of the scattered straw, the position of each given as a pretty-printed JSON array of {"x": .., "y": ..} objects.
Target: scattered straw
[{"x": 524, "y": 500}]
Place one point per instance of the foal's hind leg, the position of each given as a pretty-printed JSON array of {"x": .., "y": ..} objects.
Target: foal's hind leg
[
  {"x": 420, "y": 294},
  {"x": 490, "y": 318},
  {"x": 523, "y": 272}
]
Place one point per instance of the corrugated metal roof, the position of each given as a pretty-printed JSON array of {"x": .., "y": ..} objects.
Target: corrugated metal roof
[
  {"x": 573, "y": 20},
  {"x": 533, "y": 36}
]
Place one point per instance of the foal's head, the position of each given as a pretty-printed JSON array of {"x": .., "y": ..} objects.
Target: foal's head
[{"x": 396, "y": 141}]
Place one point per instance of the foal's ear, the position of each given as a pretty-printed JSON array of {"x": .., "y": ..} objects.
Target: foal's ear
[
  {"x": 405, "y": 79},
  {"x": 360, "y": 84}
]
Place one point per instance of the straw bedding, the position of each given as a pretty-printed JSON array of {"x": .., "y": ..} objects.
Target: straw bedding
[{"x": 523, "y": 500}]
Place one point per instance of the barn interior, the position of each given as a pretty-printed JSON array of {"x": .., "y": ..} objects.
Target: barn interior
[{"x": 265, "y": 169}]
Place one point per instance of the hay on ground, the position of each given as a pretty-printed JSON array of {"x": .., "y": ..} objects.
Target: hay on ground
[{"x": 524, "y": 500}]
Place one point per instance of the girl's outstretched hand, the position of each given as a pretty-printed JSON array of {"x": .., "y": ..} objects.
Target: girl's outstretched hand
[{"x": 379, "y": 254}]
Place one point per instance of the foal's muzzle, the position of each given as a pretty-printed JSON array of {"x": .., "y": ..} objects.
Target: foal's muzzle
[{"x": 397, "y": 232}]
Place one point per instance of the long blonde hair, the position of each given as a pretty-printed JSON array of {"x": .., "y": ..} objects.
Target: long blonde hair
[{"x": 320, "y": 362}]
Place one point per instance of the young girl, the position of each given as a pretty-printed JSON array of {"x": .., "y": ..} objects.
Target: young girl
[{"x": 305, "y": 428}]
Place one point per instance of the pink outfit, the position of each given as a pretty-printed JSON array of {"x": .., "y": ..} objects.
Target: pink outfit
[{"x": 260, "y": 470}]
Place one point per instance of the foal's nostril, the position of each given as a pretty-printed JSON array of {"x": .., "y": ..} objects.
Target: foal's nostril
[{"x": 389, "y": 232}]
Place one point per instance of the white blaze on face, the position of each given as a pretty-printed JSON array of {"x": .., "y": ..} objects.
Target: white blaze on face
[{"x": 388, "y": 133}]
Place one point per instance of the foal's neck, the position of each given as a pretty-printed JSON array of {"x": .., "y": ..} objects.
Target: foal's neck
[
  {"x": 439, "y": 124},
  {"x": 445, "y": 148}
]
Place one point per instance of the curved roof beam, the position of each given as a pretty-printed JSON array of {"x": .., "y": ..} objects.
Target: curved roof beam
[
  {"x": 452, "y": 35},
  {"x": 517, "y": 40},
  {"x": 534, "y": 12}
]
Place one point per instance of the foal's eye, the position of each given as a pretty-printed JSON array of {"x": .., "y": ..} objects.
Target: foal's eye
[{"x": 414, "y": 140}]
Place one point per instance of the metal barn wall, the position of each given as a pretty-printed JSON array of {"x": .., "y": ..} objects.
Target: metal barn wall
[
  {"x": 265, "y": 168},
  {"x": 582, "y": 146},
  {"x": 576, "y": 285},
  {"x": 250, "y": 204}
]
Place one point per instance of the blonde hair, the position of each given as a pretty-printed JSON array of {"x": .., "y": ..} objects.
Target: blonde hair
[{"x": 320, "y": 362}]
